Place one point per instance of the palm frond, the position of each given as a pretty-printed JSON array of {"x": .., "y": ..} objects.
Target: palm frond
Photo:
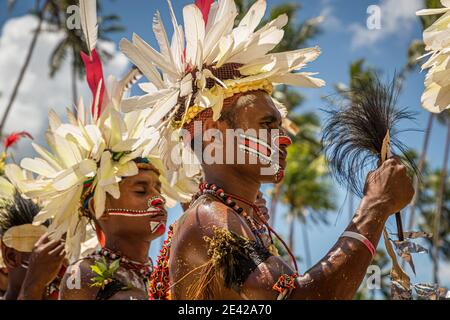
[{"x": 58, "y": 56}]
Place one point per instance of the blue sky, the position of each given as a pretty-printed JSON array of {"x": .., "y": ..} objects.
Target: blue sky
[{"x": 345, "y": 38}]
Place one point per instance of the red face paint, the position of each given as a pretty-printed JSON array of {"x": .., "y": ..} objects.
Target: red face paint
[
  {"x": 282, "y": 141},
  {"x": 257, "y": 147},
  {"x": 160, "y": 230},
  {"x": 280, "y": 175}
]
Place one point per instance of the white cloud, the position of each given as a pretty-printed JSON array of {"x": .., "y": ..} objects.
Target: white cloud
[
  {"x": 331, "y": 22},
  {"x": 397, "y": 19},
  {"x": 38, "y": 92}
]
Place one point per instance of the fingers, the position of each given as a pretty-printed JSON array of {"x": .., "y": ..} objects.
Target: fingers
[
  {"x": 42, "y": 240},
  {"x": 57, "y": 250},
  {"x": 395, "y": 160},
  {"x": 51, "y": 245}
]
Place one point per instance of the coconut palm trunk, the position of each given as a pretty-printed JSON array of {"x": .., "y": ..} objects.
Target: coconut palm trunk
[
  {"x": 291, "y": 233},
  {"x": 420, "y": 168},
  {"x": 273, "y": 203},
  {"x": 439, "y": 205},
  {"x": 306, "y": 244},
  {"x": 25, "y": 65},
  {"x": 74, "y": 84}
]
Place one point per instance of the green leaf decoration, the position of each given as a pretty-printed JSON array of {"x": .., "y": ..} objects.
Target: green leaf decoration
[{"x": 105, "y": 272}]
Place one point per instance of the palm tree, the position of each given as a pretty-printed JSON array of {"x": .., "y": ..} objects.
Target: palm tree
[
  {"x": 54, "y": 13},
  {"x": 306, "y": 189},
  {"x": 440, "y": 199},
  {"x": 73, "y": 43},
  {"x": 416, "y": 50},
  {"x": 426, "y": 205},
  {"x": 40, "y": 12},
  {"x": 296, "y": 35}
]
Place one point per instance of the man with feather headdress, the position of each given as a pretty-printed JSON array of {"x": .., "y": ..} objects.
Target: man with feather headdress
[{"x": 222, "y": 80}]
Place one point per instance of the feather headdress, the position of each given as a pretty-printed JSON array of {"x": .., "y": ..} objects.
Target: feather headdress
[
  {"x": 86, "y": 156},
  {"x": 436, "y": 97},
  {"x": 89, "y": 155},
  {"x": 209, "y": 61}
]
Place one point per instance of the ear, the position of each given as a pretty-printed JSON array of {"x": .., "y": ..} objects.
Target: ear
[
  {"x": 209, "y": 123},
  {"x": 11, "y": 257},
  {"x": 210, "y": 129}
]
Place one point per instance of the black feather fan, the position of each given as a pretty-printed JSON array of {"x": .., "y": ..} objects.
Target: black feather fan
[{"x": 353, "y": 134}]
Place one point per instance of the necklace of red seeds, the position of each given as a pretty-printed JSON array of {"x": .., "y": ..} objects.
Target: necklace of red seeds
[
  {"x": 227, "y": 199},
  {"x": 159, "y": 284},
  {"x": 212, "y": 189}
]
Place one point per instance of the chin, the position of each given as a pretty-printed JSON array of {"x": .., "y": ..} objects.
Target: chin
[
  {"x": 157, "y": 228},
  {"x": 273, "y": 177}
]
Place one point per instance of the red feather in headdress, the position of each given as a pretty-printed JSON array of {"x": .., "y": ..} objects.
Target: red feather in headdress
[
  {"x": 14, "y": 137},
  {"x": 205, "y": 7},
  {"x": 94, "y": 74}
]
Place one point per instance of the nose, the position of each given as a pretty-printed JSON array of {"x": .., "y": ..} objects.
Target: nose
[{"x": 157, "y": 202}]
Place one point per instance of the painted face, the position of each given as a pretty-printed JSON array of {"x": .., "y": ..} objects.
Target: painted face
[
  {"x": 273, "y": 154},
  {"x": 140, "y": 208},
  {"x": 261, "y": 138}
]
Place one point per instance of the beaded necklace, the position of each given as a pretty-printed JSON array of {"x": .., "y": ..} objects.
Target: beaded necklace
[
  {"x": 159, "y": 284},
  {"x": 143, "y": 269},
  {"x": 260, "y": 228}
]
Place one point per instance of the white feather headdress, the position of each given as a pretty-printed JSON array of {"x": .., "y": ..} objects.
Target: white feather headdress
[
  {"x": 436, "y": 97},
  {"x": 90, "y": 154},
  {"x": 85, "y": 156},
  {"x": 178, "y": 73}
]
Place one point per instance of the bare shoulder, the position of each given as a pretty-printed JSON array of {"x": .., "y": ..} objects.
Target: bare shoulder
[
  {"x": 76, "y": 283},
  {"x": 200, "y": 221}
]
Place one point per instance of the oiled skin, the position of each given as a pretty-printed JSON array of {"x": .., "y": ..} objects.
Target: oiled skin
[{"x": 336, "y": 276}]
